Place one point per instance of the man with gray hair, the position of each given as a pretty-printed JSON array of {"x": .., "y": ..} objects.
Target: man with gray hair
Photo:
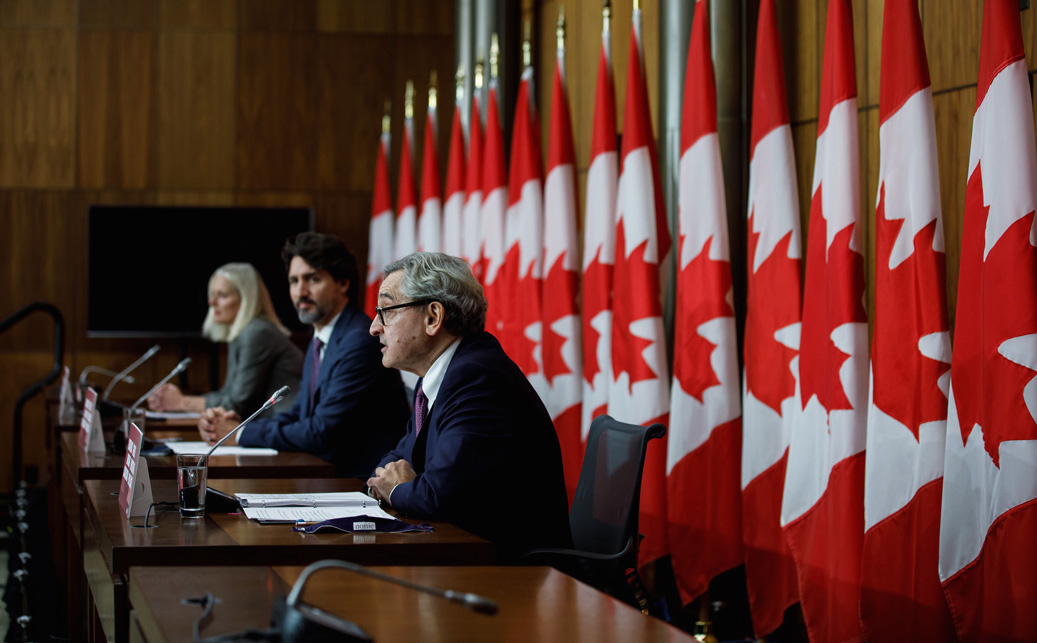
[{"x": 480, "y": 449}]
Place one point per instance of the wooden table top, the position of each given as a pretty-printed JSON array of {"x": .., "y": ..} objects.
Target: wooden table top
[
  {"x": 81, "y": 467},
  {"x": 233, "y": 539},
  {"x": 535, "y": 604}
]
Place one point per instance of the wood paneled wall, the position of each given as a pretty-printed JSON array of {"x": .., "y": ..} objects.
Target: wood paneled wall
[
  {"x": 190, "y": 102},
  {"x": 952, "y": 37}
]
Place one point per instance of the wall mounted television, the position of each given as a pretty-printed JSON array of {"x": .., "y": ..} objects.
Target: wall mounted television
[{"x": 149, "y": 266}]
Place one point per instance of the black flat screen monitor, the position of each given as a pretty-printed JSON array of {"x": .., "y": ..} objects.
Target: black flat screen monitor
[{"x": 149, "y": 266}]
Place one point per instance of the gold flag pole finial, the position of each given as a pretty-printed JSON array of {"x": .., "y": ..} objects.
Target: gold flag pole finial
[
  {"x": 494, "y": 56},
  {"x": 479, "y": 73},
  {"x": 527, "y": 48},
  {"x": 606, "y": 14},
  {"x": 432, "y": 89},
  {"x": 387, "y": 117},
  {"x": 637, "y": 5},
  {"x": 560, "y": 31},
  {"x": 459, "y": 84},
  {"x": 408, "y": 100}
]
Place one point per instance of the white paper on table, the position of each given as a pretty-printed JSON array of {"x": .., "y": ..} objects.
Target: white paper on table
[
  {"x": 311, "y": 514},
  {"x": 203, "y": 447}
]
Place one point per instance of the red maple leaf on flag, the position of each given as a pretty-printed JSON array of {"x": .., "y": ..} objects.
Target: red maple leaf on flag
[
  {"x": 635, "y": 298},
  {"x": 905, "y": 382},
  {"x": 833, "y": 296},
  {"x": 558, "y": 284},
  {"x": 595, "y": 300},
  {"x": 997, "y": 301},
  {"x": 774, "y": 303},
  {"x": 702, "y": 291}
]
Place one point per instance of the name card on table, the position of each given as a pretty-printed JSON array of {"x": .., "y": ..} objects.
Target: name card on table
[
  {"x": 91, "y": 439},
  {"x": 66, "y": 400},
  {"x": 135, "y": 490}
]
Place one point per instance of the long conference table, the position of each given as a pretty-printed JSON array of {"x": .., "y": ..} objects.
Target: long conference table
[
  {"x": 113, "y": 545},
  {"x": 534, "y": 604}
]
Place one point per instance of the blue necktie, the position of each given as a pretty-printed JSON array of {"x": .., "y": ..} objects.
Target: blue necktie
[{"x": 314, "y": 368}]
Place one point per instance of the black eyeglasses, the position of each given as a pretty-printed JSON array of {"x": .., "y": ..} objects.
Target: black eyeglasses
[{"x": 381, "y": 311}]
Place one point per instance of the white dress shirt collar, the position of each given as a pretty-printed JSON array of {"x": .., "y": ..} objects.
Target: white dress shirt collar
[{"x": 434, "y": 377}]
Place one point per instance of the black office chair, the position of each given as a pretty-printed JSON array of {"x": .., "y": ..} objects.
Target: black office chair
[{"x": 603, "y": 516}]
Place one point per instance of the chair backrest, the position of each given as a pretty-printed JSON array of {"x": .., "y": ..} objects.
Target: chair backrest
[{"x": 603, "y": 517}]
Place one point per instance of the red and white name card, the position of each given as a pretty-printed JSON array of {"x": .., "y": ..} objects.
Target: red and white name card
[
  {"x": 135, "y": 490},
  {"x": 91, "y": 440}
]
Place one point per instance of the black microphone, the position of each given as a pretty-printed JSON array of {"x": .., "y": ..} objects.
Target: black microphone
[
  {"x": 121, "y": 375},
  {"x": 180, "y": 368},
  {"x": 299, "y": 622},
  {"x": 103, "y": 371},
  {"x": 274, "y": 399}
]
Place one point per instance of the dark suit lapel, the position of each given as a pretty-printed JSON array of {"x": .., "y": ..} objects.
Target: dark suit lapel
[{"x": 331, "y": 350}]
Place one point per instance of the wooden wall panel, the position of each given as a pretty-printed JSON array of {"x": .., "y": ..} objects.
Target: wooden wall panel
[
  {"x": 196, "y": 110},
  {"x": 37, "y": 108},
  {"x": 347, "y": 216},
  {"x": 198, "y": 14},
  {"x": 429, "y": 18},
  {"x": 277, "y": 138},
  {"x": 357, "y": 16},
  {"x": 347, "y": 145},
  {"x": 952, "y": 33},
  {"x": 802, "y": 26},
  {"x": 116, "y": 109},
  {"x": 278, "y": 15},
  {"x": 872, "y": 52},
  {"x": 33, "y": 13},
  {"x": 117, "y": 14},
  {"x": 804, "y": 140}
]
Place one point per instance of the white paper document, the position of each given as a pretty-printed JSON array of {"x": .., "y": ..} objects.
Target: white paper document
[
  {"x": 319, "y": 499},
  {"x": 172, "y": 415},
  {"x": 203, "y": 447},
  {"x": 311, "y": 514}
]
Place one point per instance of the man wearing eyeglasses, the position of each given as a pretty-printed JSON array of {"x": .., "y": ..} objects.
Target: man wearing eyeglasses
[
  {"x": 349, "y": 408},
  {"x": 480, "y": 449}
]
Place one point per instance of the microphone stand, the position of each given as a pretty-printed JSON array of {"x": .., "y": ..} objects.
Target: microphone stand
[
  {"x": 119, "y": 440},
  {"x": 298, "y": 622},
  {"x": 126, "y": 371},
  {"x": 274, "y": 399}
]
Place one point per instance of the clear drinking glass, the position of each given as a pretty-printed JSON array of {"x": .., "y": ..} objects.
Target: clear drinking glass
[{"x": 192, "y": 472}]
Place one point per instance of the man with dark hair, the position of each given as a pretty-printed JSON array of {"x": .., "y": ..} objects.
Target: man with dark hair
[
  {"x": 480, "y": 450},
  {"x": 349, "y": 409}
]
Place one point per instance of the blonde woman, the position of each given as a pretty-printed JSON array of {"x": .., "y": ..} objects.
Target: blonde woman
[{"x": 260, "y": 357}]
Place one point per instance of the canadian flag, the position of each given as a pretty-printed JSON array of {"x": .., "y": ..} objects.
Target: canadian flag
[
  {"x": 988, "y": 562},
  {"x": 453, "y": 205},
  {"x": 491, "y": 218},
  {"x": 405, "y": 240},
  {"x": 379, "y": 235},
  {"x": 705, "y": 438},
  {"x": 772, "y": 326},
  {"x": 599, "y": 245},
  {"x": 471, "y": 244},
  {"x": 562, "y": 368},
  {"x": 520, "y": 276},
  {"x": 638, "y": 392},
  {"x": 823, "y": 505},
  {"x": 430, "y": 221},
  {"x": 901, "y": 597}
]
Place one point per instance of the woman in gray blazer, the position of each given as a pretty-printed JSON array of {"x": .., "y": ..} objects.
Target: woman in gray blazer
[{"x": 260, "y": 357}]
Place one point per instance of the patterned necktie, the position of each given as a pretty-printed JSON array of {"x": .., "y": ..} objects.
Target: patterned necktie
[
  {"x": 315, "y": 367},
  {"x": 420, "y": 411}
]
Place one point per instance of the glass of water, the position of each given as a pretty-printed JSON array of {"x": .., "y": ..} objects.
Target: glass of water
[{"x": 192, "y": 472}]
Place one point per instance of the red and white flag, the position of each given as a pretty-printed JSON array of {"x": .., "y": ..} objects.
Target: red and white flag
[
  {"x": 491, "y": 216},
  {"x": 405, "y": 238},
  {"x": 705, "y": 437},
  {"x": 823, "y": 505},
  {"x": 430, "y": 221},
  {"x": 901, "y": 597},
  {"x": 379, "y": 235},
  {"x": 772, "y": 326},
  {"x": 520, "y": 276},
  {"x": 639, "y": 391},
  {"x": 453, "y": 204},
  {"x": 562, "y": 368},
  {"x": 988, "y": 562},
  {"x": 471, "y": 244},
  {"x": 599, "y": 244}
]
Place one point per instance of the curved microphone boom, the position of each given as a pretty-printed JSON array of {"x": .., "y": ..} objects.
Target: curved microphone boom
[
  {"x": 103, "y": 371},
  {"x": 121, "y": 375},
  {"x": 274, "y": 399},
  {"x": 301, "y": 622},
  {"x": 180, "y": 368}
]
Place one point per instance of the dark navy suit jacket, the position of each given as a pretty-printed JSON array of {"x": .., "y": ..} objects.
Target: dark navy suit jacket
[
  {"x": 359, "y": 408},
  {"x": 487, "y": 458}
]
